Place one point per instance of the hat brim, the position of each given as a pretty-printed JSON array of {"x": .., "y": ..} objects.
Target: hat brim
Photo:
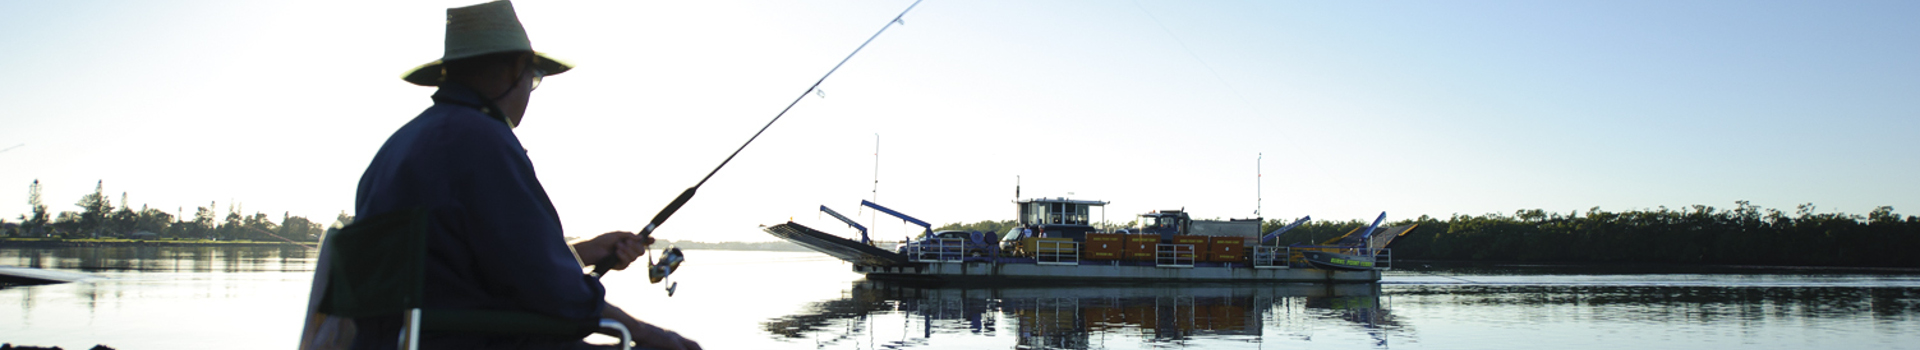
[{"x": 434, "y": 73}]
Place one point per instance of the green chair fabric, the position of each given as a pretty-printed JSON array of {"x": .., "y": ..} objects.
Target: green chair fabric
[
  {"x": 378, "y": 266},
  {"x": 378, "y": 269}
]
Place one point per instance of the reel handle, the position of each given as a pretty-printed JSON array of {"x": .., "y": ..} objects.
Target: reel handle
[{"x": 606, "y": 264}]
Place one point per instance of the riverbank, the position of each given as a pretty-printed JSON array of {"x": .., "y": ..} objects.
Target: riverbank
[{"x": 120, "y": 242}]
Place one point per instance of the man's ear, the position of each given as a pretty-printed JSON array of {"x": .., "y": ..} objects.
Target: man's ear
[
  {"x": 521, "y": 65},
  {"x": 506, "y": 73}
]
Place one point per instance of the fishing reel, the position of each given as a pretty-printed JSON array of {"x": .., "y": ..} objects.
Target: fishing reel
[{"x": 669, "y": 262}]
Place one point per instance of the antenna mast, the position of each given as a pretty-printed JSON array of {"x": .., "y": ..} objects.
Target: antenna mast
[
  {"x": 1257, "y": 176},
  {"x": 873, "y": 222}
]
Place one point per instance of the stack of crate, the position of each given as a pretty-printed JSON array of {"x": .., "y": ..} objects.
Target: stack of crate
[
  {"x": 1141, "y": 247},
  {"x": 1226, "y": 249},
  {"x": 1103, "y": 246}
]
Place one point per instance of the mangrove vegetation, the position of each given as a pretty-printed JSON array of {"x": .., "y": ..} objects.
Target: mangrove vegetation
[{"x": 1745, "y": 235}]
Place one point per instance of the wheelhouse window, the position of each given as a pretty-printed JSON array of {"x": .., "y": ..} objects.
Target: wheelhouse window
[
  {"x": 1050, "y": 212},
  {"x": 1157, "y": 221}
]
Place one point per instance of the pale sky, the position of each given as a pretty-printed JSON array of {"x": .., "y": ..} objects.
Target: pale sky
[{"x": 1411, "y": 108}]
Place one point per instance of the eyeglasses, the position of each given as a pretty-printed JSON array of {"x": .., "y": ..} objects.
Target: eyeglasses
[{"x": 538, "y": 74}]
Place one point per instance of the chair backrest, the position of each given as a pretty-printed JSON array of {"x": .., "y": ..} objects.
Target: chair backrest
[
  {"x": 378, "y": 265},
  {"x": 378, "y": 268}
]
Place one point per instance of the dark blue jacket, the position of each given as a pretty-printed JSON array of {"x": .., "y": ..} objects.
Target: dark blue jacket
[{"x": 496, "y": 241}]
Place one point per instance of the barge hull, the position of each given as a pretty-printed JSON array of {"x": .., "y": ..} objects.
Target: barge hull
[
  {"x": 880, "y": 264},
  {"x": 992, "y": 272}
]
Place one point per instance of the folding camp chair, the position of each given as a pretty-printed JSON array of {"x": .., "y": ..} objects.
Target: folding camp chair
[{"x": 378, "y": 268}]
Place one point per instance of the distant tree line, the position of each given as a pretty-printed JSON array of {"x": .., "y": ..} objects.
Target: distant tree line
[
  {"x": 995, "y": 227},
  {"x": 772, "y": 246},
  {"x": 99, "y": 218},
  {"x": 1699, "y": 234}
]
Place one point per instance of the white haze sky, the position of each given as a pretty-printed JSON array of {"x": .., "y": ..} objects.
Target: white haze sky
[{"x": 1359, "y": 107}]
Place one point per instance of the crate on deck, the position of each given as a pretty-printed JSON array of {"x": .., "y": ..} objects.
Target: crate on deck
[
  {"x": 1103, "y": 246},
  {"x": 1226, "y": 249},
  {"x": 1141, "y": 247},
  {"x": 1059, "y": 245}
]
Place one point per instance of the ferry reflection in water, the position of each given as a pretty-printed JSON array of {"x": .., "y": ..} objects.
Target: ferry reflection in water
[{"x": 1093, "y": 317}]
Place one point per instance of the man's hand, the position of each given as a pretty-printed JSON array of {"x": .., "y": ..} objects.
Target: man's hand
[{"x": 620, "y": 244}]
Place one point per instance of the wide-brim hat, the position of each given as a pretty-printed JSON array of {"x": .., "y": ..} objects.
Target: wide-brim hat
[{"x": 478, "y": 30}]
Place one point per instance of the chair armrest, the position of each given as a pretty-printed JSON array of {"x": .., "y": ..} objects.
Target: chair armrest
[
  {"x": 511, "y": 322},
  {"x": 503, "y": 322},
  {"x": 626, "y": 336}
]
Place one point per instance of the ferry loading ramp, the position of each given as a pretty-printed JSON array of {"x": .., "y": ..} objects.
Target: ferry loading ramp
[{"x": 845, "y": 249}]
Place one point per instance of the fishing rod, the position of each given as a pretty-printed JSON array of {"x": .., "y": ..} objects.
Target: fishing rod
[{"x": 600, "y": 268}]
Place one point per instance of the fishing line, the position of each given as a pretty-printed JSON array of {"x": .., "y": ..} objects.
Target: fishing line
[
  {"x": 1449, "y": 277},
  {"x": 776, "y": 261},
  {"x": 601, "y": 268},
  {"x": 302, "y": 245},
  {"x": 1196, "y": 57},
  {"x": 1256, "y": 110}
]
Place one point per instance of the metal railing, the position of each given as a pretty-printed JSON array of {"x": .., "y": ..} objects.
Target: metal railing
[
  {"x": 1271, "y": 257},
  {"x": 937, "y": 250},
  {"x": 1383, "y": 259},
  {"x": 1169, "y": 255},
  {"x": 1056, "y": 253}
]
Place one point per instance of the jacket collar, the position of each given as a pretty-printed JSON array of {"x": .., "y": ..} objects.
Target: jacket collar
[{"x": 459, "y": 95}]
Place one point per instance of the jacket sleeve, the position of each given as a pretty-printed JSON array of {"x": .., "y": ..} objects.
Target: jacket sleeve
[{"x": 511, "y": 229}]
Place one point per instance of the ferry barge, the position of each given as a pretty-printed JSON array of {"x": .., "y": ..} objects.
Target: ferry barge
[{"x": 1054, "y": 242}]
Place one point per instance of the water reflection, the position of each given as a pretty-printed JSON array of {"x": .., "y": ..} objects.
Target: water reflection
[
  {"x": 178, "y": 297},
  {"x": 158, "y": 297},
  {"x": 1093, "y": 317},
  {"x": 283, "y": 258},
  {"x": 1692, "y": 303}
]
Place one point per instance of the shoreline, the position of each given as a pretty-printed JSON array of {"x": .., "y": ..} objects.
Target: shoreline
[
  {"x": 788, "y": 247},
  {"x": 1658, "y": 267},
  {"x": 16, "y": 242}
]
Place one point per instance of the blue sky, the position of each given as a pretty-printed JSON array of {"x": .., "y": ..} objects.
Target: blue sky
[{"x": 1358, "y": 107}]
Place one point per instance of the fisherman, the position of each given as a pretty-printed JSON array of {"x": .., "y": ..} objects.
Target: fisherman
[{"x": 495, "y": 241}]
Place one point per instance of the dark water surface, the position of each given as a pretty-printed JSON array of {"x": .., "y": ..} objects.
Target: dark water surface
[{"x": 252, "y": 298}]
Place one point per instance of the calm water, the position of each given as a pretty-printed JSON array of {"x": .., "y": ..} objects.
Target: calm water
[{"x": 251, "y": 298}]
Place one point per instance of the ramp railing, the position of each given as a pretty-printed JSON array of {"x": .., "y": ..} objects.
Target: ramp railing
[
  {"x": 937, "y": 250},
  {"x": 1173, "y": 255},
  {"x": 1056, "y": 253},
  {"x": 1271, "y": 257}
]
